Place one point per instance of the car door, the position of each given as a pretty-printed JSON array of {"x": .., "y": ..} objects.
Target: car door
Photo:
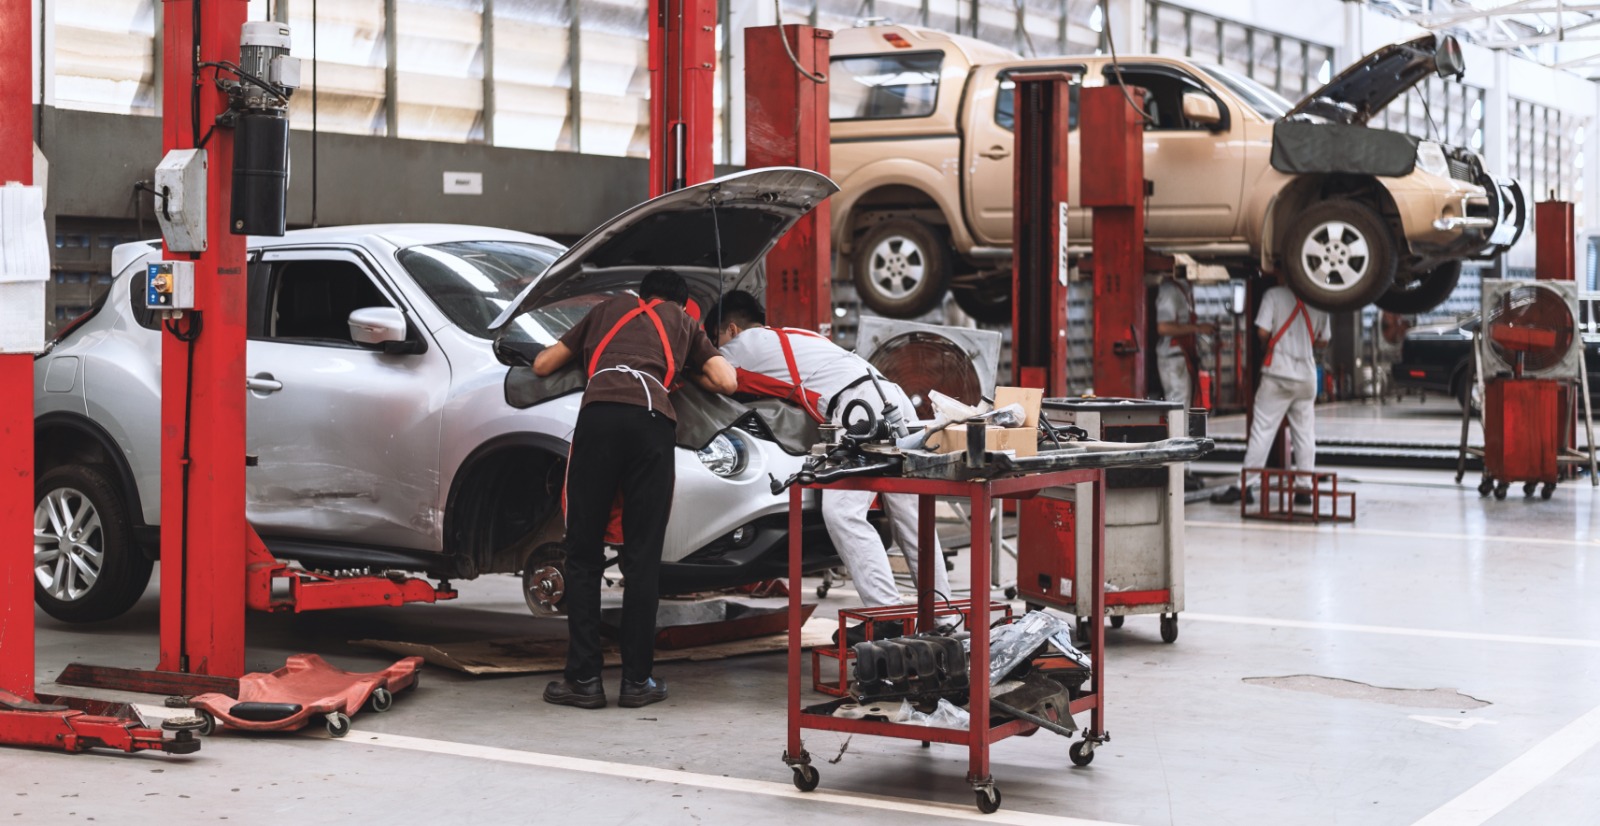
[
  {"x": 1197, "y": 172},
  {"x": 990, "y": 147},
  {"x": 346, "y": 437}
]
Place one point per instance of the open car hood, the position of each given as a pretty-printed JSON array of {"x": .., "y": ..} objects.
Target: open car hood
[
  {"x": 1365, "y": 87},
  {"x": 747, "y": 212}
]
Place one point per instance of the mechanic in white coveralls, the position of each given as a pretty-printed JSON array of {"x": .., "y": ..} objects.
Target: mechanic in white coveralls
[
  {"x": 822, "y": 378},
  {"x": 1176, "y": 354},
  {"x": 1291, "y": 333}
]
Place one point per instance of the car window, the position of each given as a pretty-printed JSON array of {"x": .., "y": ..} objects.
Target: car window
[
  {"x": 1005, "y": 115},
  {"x": 1163, "y": 96},
  {"x": 1267, "y": 103},
  {"x": 310, "y": 301},
  {"x": 868, "y": 87},
  {"x": 471, "y": 282}
]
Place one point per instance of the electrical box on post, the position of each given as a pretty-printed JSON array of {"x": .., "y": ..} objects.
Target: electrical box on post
[
  {"x": 169, "y": 285},
  {"x": 24, "y": 269},
  {"x": 180, "y": 184}
]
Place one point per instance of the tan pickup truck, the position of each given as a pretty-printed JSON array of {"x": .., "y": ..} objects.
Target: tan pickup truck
[{"x": 922, "y": 149}]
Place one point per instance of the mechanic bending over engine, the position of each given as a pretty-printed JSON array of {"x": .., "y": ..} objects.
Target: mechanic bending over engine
[
  {"x": 633, "y": 349},
  {"x": 822, "y": 378},
  {"x": 1291, "y": 334}
]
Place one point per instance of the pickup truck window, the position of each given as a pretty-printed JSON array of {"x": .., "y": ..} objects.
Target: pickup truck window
[
  {"x": 1005, "y": 115},
  {"x": 875, "y": 87},
  {"x": 1163, "y": 95},
  {"x": 1267, "y": 103}
]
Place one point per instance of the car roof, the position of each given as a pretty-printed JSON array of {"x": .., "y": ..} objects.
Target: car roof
[{"x": 396, "y": 235}]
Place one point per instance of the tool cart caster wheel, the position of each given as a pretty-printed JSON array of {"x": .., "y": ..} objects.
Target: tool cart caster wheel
[
  {"x": 1500, "y": 489},
  {"x": 338, "y": 724},
  {"x": 806, "y": 778},
  {"x": 381, "y": 700},
  {"x": 1528, "y": 488},
  {"x": 1548, "y": 490},
  {"x": 1081, "y": 754},
  {"x": 1117, "y": 620},
  {"x": 988, "y": 799},
  {"x": 1010, "y": 592},
  {"x": 1486, "y": 486},
  {"x": 822, "y": 591},
  {"x": 208, "y": 723},
  {"x": 1169, "y": 628}
]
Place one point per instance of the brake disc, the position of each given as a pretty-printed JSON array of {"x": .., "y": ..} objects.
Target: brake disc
[{"x": 544, "y": 580}]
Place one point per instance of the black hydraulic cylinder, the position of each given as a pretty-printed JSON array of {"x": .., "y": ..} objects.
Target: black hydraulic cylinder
[{"x": 260, "y": 174}]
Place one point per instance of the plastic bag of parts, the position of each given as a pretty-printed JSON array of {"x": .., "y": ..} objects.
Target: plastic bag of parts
[
  {"x": 1011, "y": 415},
  {"x": 1014, "y": 644},
  {"x": 947, "y": 715}
]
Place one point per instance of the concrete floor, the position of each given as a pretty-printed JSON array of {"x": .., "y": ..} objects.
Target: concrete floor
[{"x": 1432, "y": 589}]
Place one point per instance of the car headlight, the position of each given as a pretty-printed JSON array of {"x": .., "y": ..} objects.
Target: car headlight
[
  {"x": 727, "y": 455},
  {"x": 1430, "y": 159}
]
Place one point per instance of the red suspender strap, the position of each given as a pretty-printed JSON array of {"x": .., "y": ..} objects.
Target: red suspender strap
[
  {"x": 666, "y": 345},
  {"x": 794, "y": 374},
  {"x": 1311, "y": 335}
]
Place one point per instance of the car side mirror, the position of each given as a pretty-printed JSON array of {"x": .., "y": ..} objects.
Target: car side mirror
[
  {"x": 1448, "y": 61},
  {"x": 377, "y": 326},
  {"x": 1239, "y": 297},
  {"x": 516, "y": 353},
  {"x": 1201, "y": 108}
]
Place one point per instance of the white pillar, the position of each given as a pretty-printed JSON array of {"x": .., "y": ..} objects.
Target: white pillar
[
  {"x": 1497, "y": 115},
  {"x": 1128, "y": 26}
]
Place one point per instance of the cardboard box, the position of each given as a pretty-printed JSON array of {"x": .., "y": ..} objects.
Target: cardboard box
[
  {"x": 1023, "y": 440},
  {"x": 1029, "y": 397}
]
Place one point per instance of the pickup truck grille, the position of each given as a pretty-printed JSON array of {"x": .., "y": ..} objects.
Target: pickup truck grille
[{"x": 1460, "y": 170}]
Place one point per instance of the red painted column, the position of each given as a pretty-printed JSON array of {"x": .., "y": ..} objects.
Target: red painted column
[
  {"x": 203, "y": 527},
  {"x": 786, "y": 124},
  {"x": 1555, "y": 241},
  {"x": 1039, "y": 229},
  {"x": 16, "y": 374},
  {"x": 683, "y": 60},
  {"x": 1112, "y": 166}
]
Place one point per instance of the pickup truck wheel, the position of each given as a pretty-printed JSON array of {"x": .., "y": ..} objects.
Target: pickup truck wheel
[
  {"x": 1341, "y": 256},
  {"x": 1419, "y": 292},
  {"x": 902, "y": 268},
  {"x": 986, "y": 303},
  {"x": 86, "y": 565}
]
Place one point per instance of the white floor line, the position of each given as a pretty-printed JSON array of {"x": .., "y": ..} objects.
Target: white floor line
[
  {"x": 1495, "y": 793},
  {"x": 1571, "y": 642},
  {"x": 1342, "y": 530},
  {"x": 741, "y": 785}
]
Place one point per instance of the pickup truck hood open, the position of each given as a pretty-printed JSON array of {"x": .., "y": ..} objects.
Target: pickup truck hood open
[
  {"x": 1365, "y": 87},
  {"x": 743, "y": 214}
]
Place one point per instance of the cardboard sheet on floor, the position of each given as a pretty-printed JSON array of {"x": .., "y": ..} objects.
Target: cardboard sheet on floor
[{"x": 537, "y": 655}]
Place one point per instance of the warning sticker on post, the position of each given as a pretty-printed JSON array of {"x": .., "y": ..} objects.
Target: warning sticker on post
[{"x": 1062, "y": 264}]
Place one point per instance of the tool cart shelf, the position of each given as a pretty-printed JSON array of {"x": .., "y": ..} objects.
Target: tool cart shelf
[{"x": 985, "y": 727}]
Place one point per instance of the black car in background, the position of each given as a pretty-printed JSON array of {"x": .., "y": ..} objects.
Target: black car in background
[{"x": 1438, "y": 358}]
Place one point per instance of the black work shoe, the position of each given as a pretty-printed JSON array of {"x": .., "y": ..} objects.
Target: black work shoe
[
  {"x": 880, "y": 631},
  {"x": 578, "y": 694},
  {"x": 1302, "y": 498},
  {"x": 1232, "y": 495},
  {"x": 637, "y": 695}
]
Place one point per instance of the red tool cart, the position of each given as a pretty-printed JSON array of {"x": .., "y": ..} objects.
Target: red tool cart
[{"x": 983, "y": 729}]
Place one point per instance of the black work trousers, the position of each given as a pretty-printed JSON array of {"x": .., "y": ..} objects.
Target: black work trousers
[{"x": 629, "y": 449}]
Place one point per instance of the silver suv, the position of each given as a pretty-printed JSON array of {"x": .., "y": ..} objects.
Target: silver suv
[{"x": 386, "y": 433}]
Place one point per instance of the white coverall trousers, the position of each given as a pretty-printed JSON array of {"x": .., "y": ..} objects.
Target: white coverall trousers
[
  {"x": 1174, "y": 372},
  {"x": 845, "y": 514},
  {"x": 1276, "y": 398}
]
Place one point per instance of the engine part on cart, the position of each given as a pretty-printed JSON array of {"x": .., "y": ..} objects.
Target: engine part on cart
[
  {"x": 920, "y": 668},
  {"x": 958, "y": 362},
  {"x": 1019, "y": 642},
  {"x": 1036, "y": 697}
]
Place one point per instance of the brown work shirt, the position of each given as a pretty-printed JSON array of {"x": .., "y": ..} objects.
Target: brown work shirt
[{"x": 632, "y": 366}]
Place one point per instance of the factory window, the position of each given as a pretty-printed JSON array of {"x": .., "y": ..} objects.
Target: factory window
[
  {"x": 1005, "y": 100},
  {"x": 533, "y": 75},
  {"x": 312, "y": 300},
  {"x": 439, "y": 78},
  {"x": 1287, "y": 65},
  {"x": 884, "y": 86},
  {"x": 345, "y": 56}
]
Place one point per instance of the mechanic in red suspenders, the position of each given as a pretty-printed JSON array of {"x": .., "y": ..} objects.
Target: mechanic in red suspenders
[
  {"x": 821, "y": 378},
  {"x": 633, "y": 350},
  {"x": 1177, "y": 357},
  {"x": 1291, "y": 333}
]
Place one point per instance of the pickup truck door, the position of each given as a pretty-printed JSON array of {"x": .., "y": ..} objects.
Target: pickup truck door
[
  {"x": 347, "y": 436},
  {"x": 1198, "y": 172},
  {"x": 989, "y": 149}
]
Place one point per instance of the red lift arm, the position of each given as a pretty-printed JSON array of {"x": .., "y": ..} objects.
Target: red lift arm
[
  {"x": 683, "y": 60},
  {"x": 1112, "y": 165}
]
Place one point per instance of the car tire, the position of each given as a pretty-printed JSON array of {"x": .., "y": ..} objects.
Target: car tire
[
  {"x": 1466, "y": 392},
  {"x": 1341, "y": 255},
  {"x": 1419, "y": 292},
  {"x": 80, "y": 513},
  {"x": 986, "y": 303},
  {"x": 901, "y": 268}
]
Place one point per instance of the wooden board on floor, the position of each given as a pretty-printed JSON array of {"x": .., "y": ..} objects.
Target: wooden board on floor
[{"x": 532, "y": 655}]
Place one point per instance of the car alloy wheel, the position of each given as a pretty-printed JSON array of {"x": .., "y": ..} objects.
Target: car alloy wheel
[
  {"x": 68, "y": 544},
  {"x": 1336, "y": 255},
  {"x": 898, "y": 266}
]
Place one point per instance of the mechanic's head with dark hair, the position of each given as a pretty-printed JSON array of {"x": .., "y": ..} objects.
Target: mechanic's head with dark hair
[
  {"x": 666, "y": 285},
  {"x": 739, "y": 311}
]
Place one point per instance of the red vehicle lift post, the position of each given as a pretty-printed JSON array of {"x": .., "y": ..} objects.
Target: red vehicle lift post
[
  {"x": 27, "y": 719},
  {"x": 1111, "y": 124},
  {"x": 786, "y": 124},
  {"x": 1039, "y": 264},
  {"x": 683, "y": 61}
]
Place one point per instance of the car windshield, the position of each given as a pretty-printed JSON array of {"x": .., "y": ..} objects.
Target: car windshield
[
  {"x": 1267, "y": 103},
  {"x": 472, "y": 281}
]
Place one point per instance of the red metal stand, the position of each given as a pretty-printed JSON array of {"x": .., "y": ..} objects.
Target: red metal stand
[
  {"x": 683, "y": 59},
  {"x": 1280, "y": 486},
  {"x": 982, "y": 732},
  {"x": 786, "y": 124},
  {"x": 1113, "y": 184}
]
